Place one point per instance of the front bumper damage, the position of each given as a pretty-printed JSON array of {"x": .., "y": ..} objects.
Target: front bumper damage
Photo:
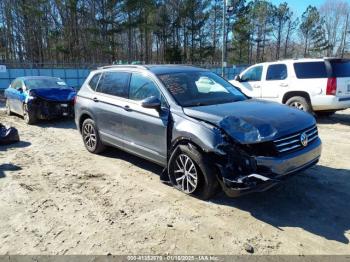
[
  {"x": 266, "y": 172},
  {"x": 46, "y": 109}
]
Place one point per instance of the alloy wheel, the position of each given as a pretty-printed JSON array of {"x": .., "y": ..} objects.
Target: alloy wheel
[
  {"x": 297, "y": 105},
  {"x": 89, "y": 135},
  {"x": 185, "y": 173}
]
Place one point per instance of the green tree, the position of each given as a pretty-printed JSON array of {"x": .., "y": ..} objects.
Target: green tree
[
  {"x": 281, "y": 16},
  {"x": 312, "y": 31}
]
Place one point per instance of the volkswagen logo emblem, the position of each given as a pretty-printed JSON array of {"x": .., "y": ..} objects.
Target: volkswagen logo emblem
[{"x": 304, "y": 139}]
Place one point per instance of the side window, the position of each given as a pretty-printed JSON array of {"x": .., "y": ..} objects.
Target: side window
[
  {"x": 276, "y": 72},
  {"x": 142, "y": 87},
  {"x": 253, "y": 74},
  {"x": 94, "y": 81},
  {"x": 114, "y": 83},
  {"x": 17, "y": 84},
  {"x": 310, "y": 70}
]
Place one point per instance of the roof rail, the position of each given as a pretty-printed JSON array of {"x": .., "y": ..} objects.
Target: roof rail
[{"x": 121, "y": 66}]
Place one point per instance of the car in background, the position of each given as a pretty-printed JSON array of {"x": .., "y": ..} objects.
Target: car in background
[
  {"x": 39, "y": 97},
  {"x": 205, "y": 132},
  {"x": 312, "y": 85}
]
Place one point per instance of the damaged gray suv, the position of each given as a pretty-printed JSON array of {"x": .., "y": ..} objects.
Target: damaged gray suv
[{"x": 205, "y": 132}]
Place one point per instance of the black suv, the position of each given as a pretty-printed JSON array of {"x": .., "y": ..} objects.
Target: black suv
[{"x": 204, "y": 131}]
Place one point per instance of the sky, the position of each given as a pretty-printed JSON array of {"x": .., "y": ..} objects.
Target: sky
[{"x": 299, "y": 6}]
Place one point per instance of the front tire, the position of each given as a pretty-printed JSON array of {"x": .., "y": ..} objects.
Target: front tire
[
  {"x": 300, "y": 103},
  {"x": 28, "y": 116},
  {"x": 8, "y": 108},
  {"x": 190, "y": 172},
  {"x": 91, "y": 137}
]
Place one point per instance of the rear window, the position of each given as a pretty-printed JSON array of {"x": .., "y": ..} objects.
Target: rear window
[
  {"x": 310, "y": 70},
  {"x": 340, "y": 68},
  {"x": 94, "y": 81}
]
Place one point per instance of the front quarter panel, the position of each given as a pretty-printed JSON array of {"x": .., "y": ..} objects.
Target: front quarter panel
[{"x": 205, "y": 135}]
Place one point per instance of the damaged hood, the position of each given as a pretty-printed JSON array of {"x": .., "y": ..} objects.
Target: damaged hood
[
  {"x": 253, "y": 121},
  {"x": 55, "y": 94}
]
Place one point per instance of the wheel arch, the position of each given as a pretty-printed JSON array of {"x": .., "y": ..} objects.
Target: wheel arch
[
  {"x": 291, "y": 94},
  {"x": 185, "y": 141},
  {"x": 83, "y": 117}
]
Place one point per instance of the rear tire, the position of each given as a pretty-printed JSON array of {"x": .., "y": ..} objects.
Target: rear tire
[
  {"x": 300, "y": 103},
  {"x": 8, "y": 109},
  {"x": 91, "y": 137},
  {"x": 190, "y": 172},
  {"x": 28, "y": 116}
]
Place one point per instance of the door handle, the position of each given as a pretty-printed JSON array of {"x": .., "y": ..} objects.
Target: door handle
[
  {"x": 127, "y": 108},
  {"x": 256, "y": 86},
  {"x": 95, "y": 99},
  {"x": 284, "y": 84}
]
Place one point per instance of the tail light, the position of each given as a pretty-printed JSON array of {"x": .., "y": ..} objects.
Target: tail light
[
  {"x": 331, "y": 86},
  {"x": 74, "y": 100}
]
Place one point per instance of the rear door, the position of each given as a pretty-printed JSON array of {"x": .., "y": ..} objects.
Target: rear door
[
  {"x": 145, "y": 129},
  {"x": 340, "y": 69},
  {"x": 109, "y": 100},
  {"x": 275, "y": 82}
]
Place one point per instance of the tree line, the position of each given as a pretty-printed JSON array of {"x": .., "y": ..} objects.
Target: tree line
[{"x": 169, "y": 31}]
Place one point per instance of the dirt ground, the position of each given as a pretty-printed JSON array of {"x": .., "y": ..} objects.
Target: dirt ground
[{"x": 56, "y": 198}]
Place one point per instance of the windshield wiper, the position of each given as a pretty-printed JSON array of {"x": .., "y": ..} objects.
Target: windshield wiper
[
  {"x": 196, "y": 104},
  {"x": 212, "y": 103}
]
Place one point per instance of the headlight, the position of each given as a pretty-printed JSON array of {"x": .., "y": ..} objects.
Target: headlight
[{"x": 32, "y": 94}]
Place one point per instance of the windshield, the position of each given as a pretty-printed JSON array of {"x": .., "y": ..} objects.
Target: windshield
[
  {"x": 45, "y": 83},
  {"x": 200, "y": 88}
]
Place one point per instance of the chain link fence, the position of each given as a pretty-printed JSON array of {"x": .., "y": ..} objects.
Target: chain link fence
[{"x": 74, "y": 74}]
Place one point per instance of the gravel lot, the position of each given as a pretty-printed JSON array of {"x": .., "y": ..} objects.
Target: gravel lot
[{"x": 56, "y": 198}]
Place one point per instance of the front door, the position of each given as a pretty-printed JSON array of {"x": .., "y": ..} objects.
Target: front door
[
  {"x": 16, "y": 97},
  {"x": 250, "y": 81},
  {"x": 145, "y": 129}
]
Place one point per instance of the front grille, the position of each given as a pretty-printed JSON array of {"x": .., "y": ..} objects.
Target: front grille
[
  {"x": 51, "y": 109},
  {"x": 292, "y": 142}
]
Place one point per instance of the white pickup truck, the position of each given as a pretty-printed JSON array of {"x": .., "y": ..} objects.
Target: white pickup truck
[{"x": 319, "y": 85}]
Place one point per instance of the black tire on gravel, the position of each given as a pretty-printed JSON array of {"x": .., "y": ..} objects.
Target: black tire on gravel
[
  {"x": 299, "y": 102},
  {"x": 207, "y": 184},
  {"x": 28, "y": 116},
  {"x": 8, "y": 108},
  {"x": 325, "y": 113},
  {"x": 91, "y": 137}
]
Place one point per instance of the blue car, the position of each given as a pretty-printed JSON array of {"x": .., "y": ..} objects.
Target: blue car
[{"x": 39, "y": 97}]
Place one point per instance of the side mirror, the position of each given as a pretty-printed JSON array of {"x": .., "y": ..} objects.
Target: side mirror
[
  {"x": 238, "y": 78},
  {"x": 151, "y": 102}
]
